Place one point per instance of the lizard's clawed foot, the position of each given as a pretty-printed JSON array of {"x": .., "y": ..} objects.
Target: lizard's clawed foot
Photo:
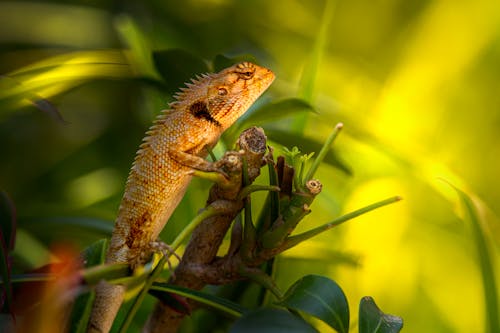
[
  {"x": 166, "y": 250},
  {"x": 157, "y": 246}
]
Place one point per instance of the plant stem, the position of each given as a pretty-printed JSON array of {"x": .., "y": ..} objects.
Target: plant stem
[
  {"x": 294, "y": 240},
  {"x": 322, "y": 153}
]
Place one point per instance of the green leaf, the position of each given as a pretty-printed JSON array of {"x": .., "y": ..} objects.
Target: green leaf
[
  {"x": 76, "y": 223},
  {"x": 163, "y": 290},
  {"x": 288, "y": 139},
  {"x": 137, "y": 43},
  {"x": 269, "y": 112},
  {"x": 95, "y": 254},
  {"x": 373, "y": 320},
  {"x": 80, "y": 314},
  {"x": 490, "y": 289},
  {"x": 278, "y": 110},
  {"x": 14, "y": 101},
  {"x": 321, "y": 298},
  {"x": 266, "y": 113},
  {"x": 110, "y": 272},
  {"x": 177, "y": 67},
  {"x": 312, "y": 66},
  {"x": 311, "y": 69},
  {"x": 271, "y": 321},
  {"x": 35, "y": 83}
]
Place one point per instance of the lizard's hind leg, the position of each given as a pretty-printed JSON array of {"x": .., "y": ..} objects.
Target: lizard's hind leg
[
  {"x": 157, "y": 246},
  {"x": 166, "y": 250}
]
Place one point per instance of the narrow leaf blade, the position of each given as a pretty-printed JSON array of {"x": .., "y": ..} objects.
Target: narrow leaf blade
[
  {"x": 321, "y": 298},
  {"x": 161, "y": 291},
  {"x": 490, "y": 289},
  {"x": 271, "y": 321}
]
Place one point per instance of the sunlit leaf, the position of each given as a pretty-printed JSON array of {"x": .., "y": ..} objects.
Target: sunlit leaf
[
  {"x": 271, "y": 321},
  {"x": 71, "y": 58},
  {"x": 373, "y": 320},
  {"x": 13, "y": 102},
  {"x": 490, "y": 289},
  {"x": 177, "y": 67},
  {"x": 80, "y": 314},
  {"x": 321, "y": 298},
  {"x": 35, "y": 83}
]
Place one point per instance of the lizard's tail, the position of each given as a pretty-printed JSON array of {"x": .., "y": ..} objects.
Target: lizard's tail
[{"x": 108, "y": 300}]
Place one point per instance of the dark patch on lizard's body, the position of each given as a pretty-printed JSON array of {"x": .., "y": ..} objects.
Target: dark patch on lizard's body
[
  {"x": 138, "y": 231},
  {"x": 200, "y": 110}
]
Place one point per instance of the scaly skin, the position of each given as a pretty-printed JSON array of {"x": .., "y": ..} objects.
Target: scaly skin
[{"x": 174, "y": 145}]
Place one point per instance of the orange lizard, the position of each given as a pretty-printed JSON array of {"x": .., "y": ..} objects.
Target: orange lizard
[{"x": 175, "y": 144}]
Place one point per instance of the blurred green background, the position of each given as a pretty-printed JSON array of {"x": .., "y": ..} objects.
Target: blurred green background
[{"x": 416, "y": 84}]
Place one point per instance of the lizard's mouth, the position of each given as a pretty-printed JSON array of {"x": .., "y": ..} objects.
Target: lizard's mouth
[{"x": 266, "y": 76}]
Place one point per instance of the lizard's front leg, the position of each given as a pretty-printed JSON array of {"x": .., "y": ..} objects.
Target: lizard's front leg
[{"x": 192, "y": 161}]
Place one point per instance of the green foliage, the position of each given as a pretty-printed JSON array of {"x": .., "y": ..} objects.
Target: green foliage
[
  {"x": 275, "y": 111},
  {"x": 163, "y": 291},
  {"x": 481, "y": 242},
  {"x": 271, "y": 321},
  {"x": 373, "y": 320},
  {"x": 321, "y": 298},
  {"x": 56, "y": 75}
]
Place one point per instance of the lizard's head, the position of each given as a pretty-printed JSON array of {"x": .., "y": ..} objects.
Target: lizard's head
[{"x": 222, "y": 97}]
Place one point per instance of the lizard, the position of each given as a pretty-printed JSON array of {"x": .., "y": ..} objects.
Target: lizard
[{"x": 176, "y": 143}]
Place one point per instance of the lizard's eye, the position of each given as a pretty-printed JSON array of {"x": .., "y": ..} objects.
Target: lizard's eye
[
  {"x": 247, "y": 74},
  {"x": 222, "y": 91}
]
